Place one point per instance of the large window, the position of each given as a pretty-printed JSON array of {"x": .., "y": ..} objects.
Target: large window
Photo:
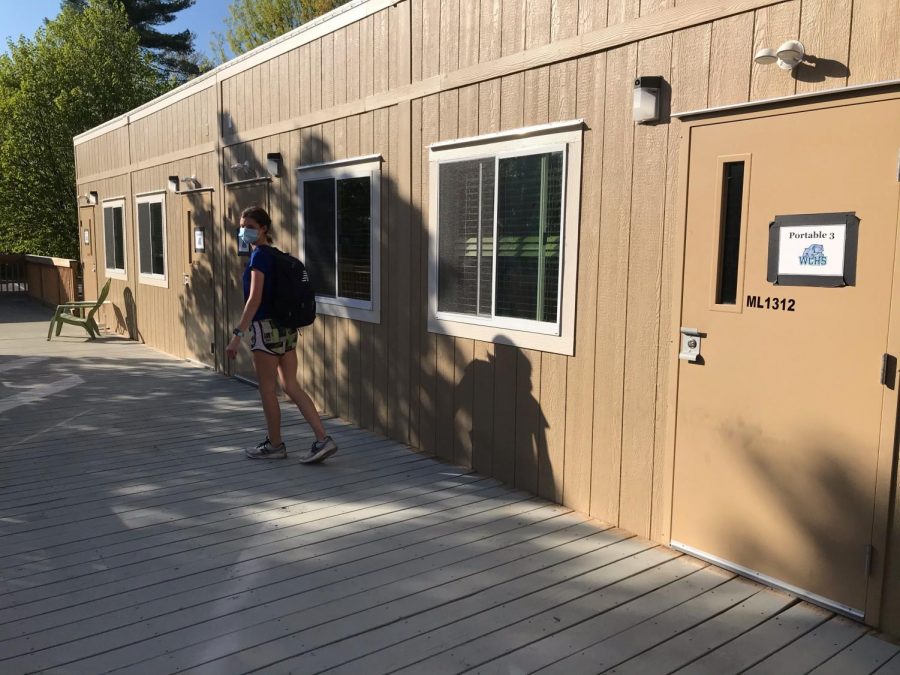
[
  {"x": 114, "y": 238},
  {"x": 151, "y": 235},
  {"x": 339, "y": 233},
  {"x": 504, "y": 221}
]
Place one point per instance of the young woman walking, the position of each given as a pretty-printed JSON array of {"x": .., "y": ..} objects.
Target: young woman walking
[{"x": 272, "y": 347}]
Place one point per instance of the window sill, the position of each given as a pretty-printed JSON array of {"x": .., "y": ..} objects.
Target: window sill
[
  {"x": 120, "y": 275},
  {"x": 328, "y": 307},
  {"x": 554, "y": 344},
  {"x": 147, "y": 280}
]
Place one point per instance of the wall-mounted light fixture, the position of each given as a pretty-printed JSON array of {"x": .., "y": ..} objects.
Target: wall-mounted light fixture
[
  {"x": 788, "y": 56},
  {"x": 241, "y": 167},
  {"x": 645, "y": 104},
  {"x": 92, "y": 197},
  {"x": 273, "y": 163},
  {"x": 173, "y": 184},
  {"x": 191, "y": 182}
]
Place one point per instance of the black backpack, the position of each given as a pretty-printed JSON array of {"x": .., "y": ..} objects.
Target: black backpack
[{"x": 293, "y": 299}]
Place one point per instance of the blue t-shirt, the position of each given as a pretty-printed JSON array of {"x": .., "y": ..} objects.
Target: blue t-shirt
[{"x": 260, "y": 259}]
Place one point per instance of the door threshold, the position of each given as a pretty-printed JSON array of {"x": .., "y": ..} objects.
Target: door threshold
[{"x": 857, "y": 614}]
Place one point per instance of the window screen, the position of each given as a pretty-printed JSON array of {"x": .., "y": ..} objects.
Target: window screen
[
  {"x": 151, "y": 238},
  {"x": 521, "y": 278},
  {"x": 338, "y": 234},
  {"x": 114, "y": 238}
]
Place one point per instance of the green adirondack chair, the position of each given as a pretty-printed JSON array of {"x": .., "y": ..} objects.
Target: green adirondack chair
[{"x": 79, "y": 314}]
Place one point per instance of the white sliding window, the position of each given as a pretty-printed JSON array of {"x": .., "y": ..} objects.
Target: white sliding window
[{"x": 151, "y": 239}]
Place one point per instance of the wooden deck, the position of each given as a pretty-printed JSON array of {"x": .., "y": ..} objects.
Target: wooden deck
[{"x": 137, "y": 538}]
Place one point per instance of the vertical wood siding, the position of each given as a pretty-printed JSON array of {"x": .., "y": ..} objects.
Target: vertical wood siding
[{"x": 586, "y": 430}]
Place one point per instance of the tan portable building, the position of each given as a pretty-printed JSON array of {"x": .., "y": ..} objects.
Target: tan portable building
[{"x": 751, "y": 231}]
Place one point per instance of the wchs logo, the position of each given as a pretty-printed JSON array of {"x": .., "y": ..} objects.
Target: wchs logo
[{"x": 814, "y": 254}]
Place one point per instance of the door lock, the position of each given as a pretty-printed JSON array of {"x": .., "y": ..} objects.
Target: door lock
[{"x": 690, "y": 344}]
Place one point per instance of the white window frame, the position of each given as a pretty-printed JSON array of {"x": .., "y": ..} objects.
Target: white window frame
[
  {"x": 557, "y": 338},
  {"x": 114, "y": 272},
  {"x": 357, "y": 167},
  {"x": 159, "y": 197}
]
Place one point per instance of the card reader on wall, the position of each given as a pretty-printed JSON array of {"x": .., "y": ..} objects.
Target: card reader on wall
[{"x": 690, "y": 344}]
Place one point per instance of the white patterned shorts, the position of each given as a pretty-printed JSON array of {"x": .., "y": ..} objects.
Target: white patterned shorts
[{"x": 266, "y": 337}]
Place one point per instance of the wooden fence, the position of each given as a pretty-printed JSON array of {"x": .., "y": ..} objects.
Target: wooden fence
[{"x": 48, "y": 280}]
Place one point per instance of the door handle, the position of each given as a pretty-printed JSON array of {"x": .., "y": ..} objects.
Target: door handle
[{"x": 690, "y": 344}]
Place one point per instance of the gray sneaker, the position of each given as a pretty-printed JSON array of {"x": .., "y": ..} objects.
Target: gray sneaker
[
  {"x": 266, "y": 450},
  {"x": 319, "y": 451}
]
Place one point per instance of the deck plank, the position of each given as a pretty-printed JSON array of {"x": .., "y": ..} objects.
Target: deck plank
[{"x": 137, "y": 538}]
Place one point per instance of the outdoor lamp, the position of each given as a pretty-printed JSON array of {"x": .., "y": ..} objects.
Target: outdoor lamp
[
  {"x": 645, "y": 105},
  {"x": 173, "y": 183},
  {"x": 788, "y": 56},
  {"x": 273, "y": 163},
  {"x": 92, "y": 197}
]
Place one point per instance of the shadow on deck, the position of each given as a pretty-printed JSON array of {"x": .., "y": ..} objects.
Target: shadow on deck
[{"x": 136, "y": 537}]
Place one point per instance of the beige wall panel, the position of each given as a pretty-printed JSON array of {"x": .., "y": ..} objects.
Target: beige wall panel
[
  {"x": 340, "y": 67},
  {"x": 315, "y": 75},
  {"x": 689, "y": 79},
  {"x": 415, "y": 28},
  {"x": 329, "y": 72},
  {"x": 773, "y": 25},
  {"x": 874, "y": 52},
  {"x": 531, "y": 425},
  {"x": 591, "y": 15},
  {"x": 620, "y": 11},
  {"x": 512, "y": 38},
  {"x": 379, "y": 332},
  {"x": 382, "y": 42},
  {"x": 368, "y": 145},
  {"x": 427, "y": 341},
  {"x": 653, "y": 6},
  {"x": 551, "y": 439},
  {"x": 353, "y": 62},
  {"x": 538, "y": 15},
  {"x": 463, "y": 385},
  {"x": 825, "y": 32},
  {"x": 490, "y": 30},
  {"x": 564, "y": 19},
  {"x": 580, "y": 375},
  {"x": 505, "y": 412},
  {"x": 644, "y": 283},
  {"x": 730, "y": 69},
  {"x": 294, "y": 90},
  {"x": 417, "y": 273},
  {"x": 446, "y": 345},
  {"x": 399, "y": 281},
  {"x": 449, "y": 36},
  {"x": 615, "y": 215},
  {"x": 469, "y": 33},
  {"x": 401, "y": 33},
  {"x": 483, "y": 408},
  {"x": 367, "y": 56},
  {"x": 304, "y": 74},
  {"x": 284, "y": 90}
]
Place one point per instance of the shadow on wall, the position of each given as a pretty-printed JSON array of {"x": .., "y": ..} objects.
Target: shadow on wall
[{"x": 127, "y": 322}]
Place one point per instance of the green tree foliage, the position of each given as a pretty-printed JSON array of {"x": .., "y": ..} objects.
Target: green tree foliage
[
  {"x": 79, "y": 70},
  {"x": 251, "y": 23},
  {"x": 173, "y": 53}
]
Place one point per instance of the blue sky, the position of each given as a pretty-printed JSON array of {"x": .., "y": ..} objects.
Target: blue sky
[{"x": 18, "y": 17}]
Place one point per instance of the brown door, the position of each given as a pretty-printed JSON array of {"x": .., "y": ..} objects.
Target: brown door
[
  {"x": 778, "y": 421},
  {"x": 88, "y": 244},
  {"x": 239, "y": 198},
  {"x": 198, "y": 303}
]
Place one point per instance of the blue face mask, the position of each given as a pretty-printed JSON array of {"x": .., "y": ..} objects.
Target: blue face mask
[{"x": 248, "y": 235}]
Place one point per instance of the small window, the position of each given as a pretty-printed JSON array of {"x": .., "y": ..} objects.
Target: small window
[
  {"x": 730, "y": 232},
  {"x": 151, "y": 235},
  {"x": 520, "y": 190},
  {"x": 339, "y": 234},
  {"x": 114, "y": 239}
]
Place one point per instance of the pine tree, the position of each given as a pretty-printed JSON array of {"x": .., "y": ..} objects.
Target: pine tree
[{"x": 173, "y": 53}]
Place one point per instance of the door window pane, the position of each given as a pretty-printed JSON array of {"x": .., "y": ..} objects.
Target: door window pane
[{"x": 730, "y": 232}]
